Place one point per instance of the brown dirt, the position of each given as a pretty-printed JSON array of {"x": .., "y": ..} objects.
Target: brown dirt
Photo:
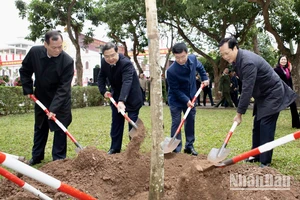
[{"x": 126, "y": 176}]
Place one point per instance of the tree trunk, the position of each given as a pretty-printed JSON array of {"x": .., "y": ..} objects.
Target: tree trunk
[{"x": 157, "y": 157}]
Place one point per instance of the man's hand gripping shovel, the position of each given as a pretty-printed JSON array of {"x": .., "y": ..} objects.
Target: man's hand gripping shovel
[
  {"x": 79, "y": 147},
  {"x": 170, "y": 144},
  {"x": 138, "y": 125}
]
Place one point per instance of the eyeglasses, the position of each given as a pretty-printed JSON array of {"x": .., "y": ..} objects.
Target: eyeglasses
[
  {"x": 110, "y": 56},
  {"x": 179, "y": 58}
]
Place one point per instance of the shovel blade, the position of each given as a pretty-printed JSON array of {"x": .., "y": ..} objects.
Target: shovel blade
[
  {"x": 169, "y": 144},
  {"x": 216, "y": 156},
  {"x": 134, "y": 131}
]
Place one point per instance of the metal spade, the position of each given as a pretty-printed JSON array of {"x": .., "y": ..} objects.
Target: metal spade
[
  {"x": 216, "y": 155},
  {"x": 136, "y": 125},
  {"x": 170, "y": 144}
]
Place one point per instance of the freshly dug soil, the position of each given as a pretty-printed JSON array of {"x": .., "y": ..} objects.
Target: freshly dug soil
[{"x": 126, "y": 176}]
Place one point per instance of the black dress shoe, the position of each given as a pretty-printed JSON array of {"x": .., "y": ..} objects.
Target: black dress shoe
[
  {"x": 175, "y": 151},
  {"x": 32, "y": 162},
  {"x": 191, "y": 151},
  {"x": 262, "y": 165},
  {"x": 113, "y": 151}
]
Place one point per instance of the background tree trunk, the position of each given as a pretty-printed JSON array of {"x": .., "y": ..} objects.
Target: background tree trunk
[{"x": 157, "y": 157}]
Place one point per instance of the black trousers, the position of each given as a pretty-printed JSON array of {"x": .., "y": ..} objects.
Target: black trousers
[
  {"x": 59, "y": 146},
  {"x": 117, "y": 126},
  {"x": 263, "y": 132},
  {"x": 295, "y": 115},
  {"x": 207, "y": 91}
]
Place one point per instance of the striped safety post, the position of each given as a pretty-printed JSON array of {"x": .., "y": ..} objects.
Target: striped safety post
[
  {"x": 13, "y": 178},
  {"x": 261, "y": 149},
  {"x": 20, "y": 158},
  {"x": 33, "y": 173}
]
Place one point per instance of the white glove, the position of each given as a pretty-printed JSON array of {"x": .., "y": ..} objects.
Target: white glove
[
  {"x": 206, "y": 82},
  {"x": 121, "y": 106}
]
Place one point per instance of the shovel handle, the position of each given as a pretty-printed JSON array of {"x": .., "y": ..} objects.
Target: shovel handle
[
  {"x": 263, "y": 148},
  {"x": 228, "y": 136},
  {"x": 188, "y": 110},
  {"x": 56, "y": 121},
  {"x": 122, "y": 112}
]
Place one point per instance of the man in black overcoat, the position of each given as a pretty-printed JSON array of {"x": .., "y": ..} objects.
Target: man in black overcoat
[
  {"x": 53, "y": 71},
  {"x": 261, "y": 82},
  {"x": 125, "y": 89}
]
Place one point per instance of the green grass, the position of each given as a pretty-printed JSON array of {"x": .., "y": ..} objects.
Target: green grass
[{"x": 91, "y": 127}]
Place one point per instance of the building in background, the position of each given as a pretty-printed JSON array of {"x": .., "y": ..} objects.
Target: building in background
[{"x": 12, "y": 55}]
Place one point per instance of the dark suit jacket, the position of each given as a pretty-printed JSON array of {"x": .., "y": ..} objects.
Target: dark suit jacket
[
  {"x": 261, "y": 82},
  {"x": 53, "y": 77},
  {"x": 124, "y": 82},
  {"x": 182, "y": 81}
]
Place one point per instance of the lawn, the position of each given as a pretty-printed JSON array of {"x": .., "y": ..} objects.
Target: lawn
[{"x": 91, "y": 127}]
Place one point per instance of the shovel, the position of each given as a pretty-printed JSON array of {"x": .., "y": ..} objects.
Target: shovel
[
  {"x": 216, "y": 155},
  {"x": 170, "y": 144},
  {"x": 253, "y": 152},
  {"x": 79, "y": 147},
  {"x": 261, "y": 149},
  {"x": 133, "y": 131}
]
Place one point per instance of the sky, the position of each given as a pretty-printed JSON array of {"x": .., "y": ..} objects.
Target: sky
[{"x": 14, "y": 27}]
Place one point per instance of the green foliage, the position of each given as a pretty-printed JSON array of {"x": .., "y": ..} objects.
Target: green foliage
[
  {"x": 45, "y": 15},
  {"x": 93, "y": 96},
  {"x": 129, "y": 23},
  {"x": 12, "y": 100}
]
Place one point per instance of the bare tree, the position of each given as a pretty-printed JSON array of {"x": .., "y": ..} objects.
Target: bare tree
[{"x": 157, "y": 157}]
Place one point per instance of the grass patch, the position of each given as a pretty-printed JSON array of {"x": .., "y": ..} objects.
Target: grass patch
[{"x": 91, "y": 127}]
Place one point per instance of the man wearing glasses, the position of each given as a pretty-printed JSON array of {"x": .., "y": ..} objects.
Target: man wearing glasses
[{"x": 118, "y": 72}]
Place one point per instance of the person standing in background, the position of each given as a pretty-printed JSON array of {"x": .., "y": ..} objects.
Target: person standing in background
[
  {"x": 234, "y": 86},
  {"x": 282, "y": 69},
  {"x": 54, "y": 70},
  {"x": 143, "y": 83},
  {"x": 181, "y": 77},
  {"x": 207, "y": 91},
  {"x": 198, "y": 85},
  {"x": 224, "y": 89}
]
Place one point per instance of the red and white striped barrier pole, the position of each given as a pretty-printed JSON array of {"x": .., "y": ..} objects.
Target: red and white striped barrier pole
[
  {"x": 20, "y": 158},
  {"x": 33, "y": 173},
  {"x": 13, "y": 178},
  {"x": 261, "y": 149}
]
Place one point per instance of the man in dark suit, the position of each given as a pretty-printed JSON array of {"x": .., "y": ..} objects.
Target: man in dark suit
[
  {"x": 181, "y": 77},
  {"x": 261, "y": 82},
  {"x": 54, "y": 70},
  {"x": 125, "y": 89}
]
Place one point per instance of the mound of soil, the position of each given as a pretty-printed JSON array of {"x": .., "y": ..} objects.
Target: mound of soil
[{"x": 126, "y": 176}]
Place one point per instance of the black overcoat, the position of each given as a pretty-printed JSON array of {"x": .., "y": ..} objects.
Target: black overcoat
[
  {"x": 51, "y": 85},
  {"x": 124, "y": 82},
  {"x": 260, "y": 81}
]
